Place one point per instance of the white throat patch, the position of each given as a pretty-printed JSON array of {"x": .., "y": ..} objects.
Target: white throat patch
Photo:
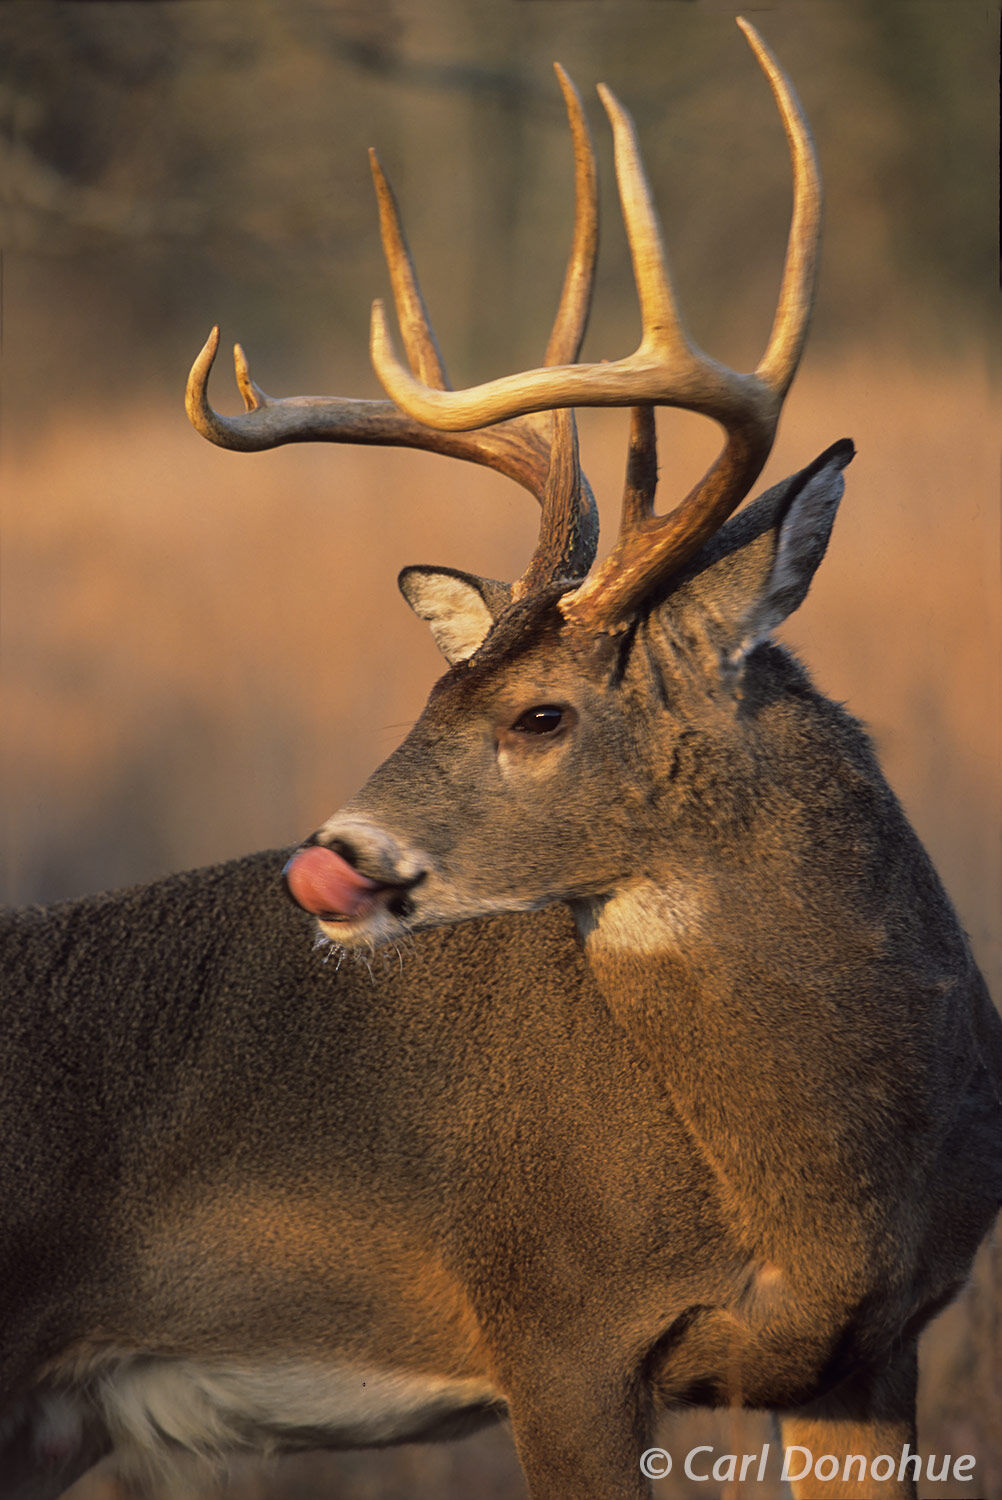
[{"x": 643, "y": 918}]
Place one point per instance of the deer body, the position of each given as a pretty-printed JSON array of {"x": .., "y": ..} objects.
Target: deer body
[
  {"x": 683, "y": 1086},
  {"x": 758, "y": 917},
  {"x": 666, "y": 1149}
]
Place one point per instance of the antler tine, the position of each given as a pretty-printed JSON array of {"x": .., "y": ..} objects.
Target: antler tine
[
  {"x": 796, "y": 295},
  {"x": 412, "y": 315},
  {"x": 641, "y": 468},
  {"x": 575, "y": 299},
  {"x": 662, "y": 327},
  {"x": 571, "y": 321},
  {"x": 568, "y": 530}
]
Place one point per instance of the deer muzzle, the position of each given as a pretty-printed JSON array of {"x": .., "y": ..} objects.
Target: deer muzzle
[
  {"x": 323, "y": 883},
  {"x": 326, "y": 875}
]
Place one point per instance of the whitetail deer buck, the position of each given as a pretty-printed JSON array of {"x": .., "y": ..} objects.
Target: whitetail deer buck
[{"x": 687, "y": 1089}]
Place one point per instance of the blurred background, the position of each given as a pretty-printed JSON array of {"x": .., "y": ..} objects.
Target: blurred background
[{"x": 204, "y": 653}]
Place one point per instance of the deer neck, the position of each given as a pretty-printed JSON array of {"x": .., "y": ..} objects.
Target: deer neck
[
  {"x": 643, "y": 945},
  {"x": 758, "y": 1049}
]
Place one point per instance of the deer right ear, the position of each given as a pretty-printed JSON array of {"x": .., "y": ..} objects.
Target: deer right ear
[{"x": 460, "y": 607}]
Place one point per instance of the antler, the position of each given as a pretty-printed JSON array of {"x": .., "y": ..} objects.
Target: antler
[
  {"x": 665, "y": 370},
  {"x": 539, "y": 453}
]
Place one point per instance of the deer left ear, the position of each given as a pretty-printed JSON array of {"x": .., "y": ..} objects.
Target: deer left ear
[
  {"x": 758, "y": 568},
  {"x": 459, "y": 607},
  {"x": 805, "y": 513}
]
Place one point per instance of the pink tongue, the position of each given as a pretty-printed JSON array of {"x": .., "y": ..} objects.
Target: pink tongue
[{"x": 326, "y": 885}]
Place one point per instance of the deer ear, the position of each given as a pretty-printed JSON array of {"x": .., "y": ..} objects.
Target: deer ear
[
  {"x": 460, "y": 607},
  {"x": 758, "y": 568},
  {"x": 806, "y": 506}
]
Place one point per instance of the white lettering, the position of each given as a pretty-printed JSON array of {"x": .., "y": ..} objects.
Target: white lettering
[
  {"x": 799, "y": 1463},
  {"x": 859, "y": 1460},
  {"x": 808, "y": 1459},
  {"x": 762, "y": 1462},
  {"x": 726, "y": 1466},
  {"x": 748, "y": 1459},
  {"x": 689, "y": 1471},
  {"x": 908, "y": 1457},
  {"x": 655, "y": 1463}
]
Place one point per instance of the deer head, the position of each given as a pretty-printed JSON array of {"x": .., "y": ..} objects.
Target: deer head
[{"x": 579, "y": 746}]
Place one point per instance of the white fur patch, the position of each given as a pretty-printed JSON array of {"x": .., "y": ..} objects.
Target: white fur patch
[
  {"x": 644, "y": 918},
  {"x": 154, "y": 1405},
  {"x": 459, "y": 618},
  {"x": 209, "y": 1406}
]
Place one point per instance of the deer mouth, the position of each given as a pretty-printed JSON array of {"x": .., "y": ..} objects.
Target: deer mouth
[{"x": 334, "y": 891}]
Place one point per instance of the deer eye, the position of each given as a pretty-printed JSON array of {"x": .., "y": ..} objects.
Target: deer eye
[{"x": 543, "y": 719}]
